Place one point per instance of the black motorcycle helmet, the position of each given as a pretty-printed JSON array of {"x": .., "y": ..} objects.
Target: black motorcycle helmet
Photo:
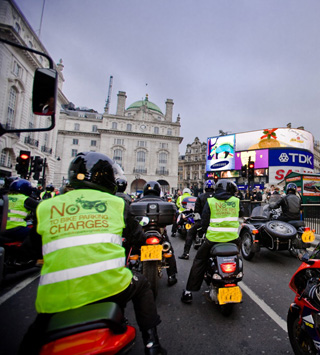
[
  {"x": 92, "y": 170},
  {"x": 122, "y": 184},
  {"x": 50, "y": 188},
  {"x": 227, "y": 186},
  {"x": 291, "y": 188},
  {"x": 151, "y": 188},
  {"x": 8, "y": 180}
]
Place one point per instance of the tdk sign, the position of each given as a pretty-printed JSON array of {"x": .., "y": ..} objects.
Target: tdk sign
[{"x": 290, "y": 157}]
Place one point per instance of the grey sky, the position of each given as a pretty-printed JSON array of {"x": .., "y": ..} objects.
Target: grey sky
[{"x": 231, "y": 65}]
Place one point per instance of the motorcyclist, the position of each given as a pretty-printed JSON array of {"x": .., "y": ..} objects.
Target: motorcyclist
[
  {"x": 48, "y": 193},
  {"x": 152, "y": 190},
  {"x": 122, "y": 185},
  {"x": 198, "y": 208},
  {"x": 220, "y": 222},
  {"x": 87, "y": 250},
  {"x": 290, "y": 204},
  {"x": 185, "y": 193},
  {"x": 20, "y": 207}
]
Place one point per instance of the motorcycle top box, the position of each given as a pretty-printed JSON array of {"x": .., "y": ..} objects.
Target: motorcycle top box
[{"x": 159, "y": 212}]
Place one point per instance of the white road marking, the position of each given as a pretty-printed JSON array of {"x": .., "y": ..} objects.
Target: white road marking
[
  {"x": 19, "y": 287},
  {"x": 270, "y": 312}
]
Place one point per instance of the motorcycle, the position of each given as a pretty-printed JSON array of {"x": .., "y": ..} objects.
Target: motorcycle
[
  {"x": 303, "y": 315},
  {"x": 223, "y": 272},
  {"x": 151, "y": 259},
  {"x": 185, "y": 221},
  {"x": 263, "y": 229},
  {"x": 98, "y": 328}
]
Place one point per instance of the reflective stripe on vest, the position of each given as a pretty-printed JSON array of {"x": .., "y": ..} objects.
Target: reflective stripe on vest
[
  {"x": 80, "y": 271},
  {"x": 16, "y": 211},
  {"x": 224, "y": 219},
  {"x": 81, "y": 240}
]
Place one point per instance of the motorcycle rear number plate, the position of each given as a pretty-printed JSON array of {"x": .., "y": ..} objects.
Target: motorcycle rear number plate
[
  {"x": 229, "y": 295},
  {"x": 188, "y": 226},
  {"x": 151, "y": 252}
]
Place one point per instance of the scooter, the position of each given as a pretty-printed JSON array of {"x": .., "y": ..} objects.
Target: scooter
[
  {"x": 303, "y": 315},
  {"x": 98, "y": 328},
  {"x": 224, "y": 271}
]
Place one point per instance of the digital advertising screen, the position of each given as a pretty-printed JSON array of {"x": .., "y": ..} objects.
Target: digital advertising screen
[
  {"x": 221, "y": 153},
  {"x": 259, "y": 157}
]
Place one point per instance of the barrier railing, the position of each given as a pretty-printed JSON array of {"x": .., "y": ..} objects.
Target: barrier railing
[{"x": 311, "y": 216}]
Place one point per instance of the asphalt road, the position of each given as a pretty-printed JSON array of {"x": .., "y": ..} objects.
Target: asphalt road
[{"x": 257, "y": 325}]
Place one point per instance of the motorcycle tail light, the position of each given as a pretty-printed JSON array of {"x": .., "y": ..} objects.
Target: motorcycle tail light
[
  {"x": 306, "y": 229},
  {"x": 228, "y": 267},
  {"x": 255, "y": 231},
  {"x": 133, "y": 257},
  {"x": 230, "y": 285},
  {"x": 153, "y": 240}
]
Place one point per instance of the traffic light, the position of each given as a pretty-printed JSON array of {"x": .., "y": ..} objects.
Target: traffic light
[
  {"x": 36, "y": 167},
  {"x": 215, "y": 178},
  {"x": 23, "y": 161},
  {"x": 244, "y": 170},
  {"x": 251, "y": 170}
]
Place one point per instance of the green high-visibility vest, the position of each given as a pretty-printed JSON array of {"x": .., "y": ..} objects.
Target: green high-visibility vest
[
  {"x": 17, "y": 213},
  {"x": 224, "y": 219},
  {"x": 84, "y": 260},
  {"x": 179, "y": 201}
]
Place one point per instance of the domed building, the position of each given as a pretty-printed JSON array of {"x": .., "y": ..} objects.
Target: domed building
[{"x": 142, "y": 139}]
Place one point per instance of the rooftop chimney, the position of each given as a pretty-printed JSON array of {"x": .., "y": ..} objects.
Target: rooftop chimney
[
  {"x": 121, "y": 105},
  {"x": 169, "y": 110}
]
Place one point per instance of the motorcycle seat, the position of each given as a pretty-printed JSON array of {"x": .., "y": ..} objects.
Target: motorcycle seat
[
  {"x": 224, "y": 249},
  {"x": 297, "y": 223},
  {"x": 82, "y": 319}
]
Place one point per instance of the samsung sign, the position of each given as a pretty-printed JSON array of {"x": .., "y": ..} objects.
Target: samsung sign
[{"x": 290, "y": 157}]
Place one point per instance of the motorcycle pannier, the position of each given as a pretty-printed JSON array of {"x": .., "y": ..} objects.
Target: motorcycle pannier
[{"x": 159, "y": 212}]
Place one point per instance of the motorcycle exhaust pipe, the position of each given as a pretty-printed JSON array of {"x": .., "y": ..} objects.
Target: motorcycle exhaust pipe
[{"x": 166, "y": 246}]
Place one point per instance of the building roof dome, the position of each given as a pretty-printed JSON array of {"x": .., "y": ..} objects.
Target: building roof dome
[{"x": 150, "y": 105}]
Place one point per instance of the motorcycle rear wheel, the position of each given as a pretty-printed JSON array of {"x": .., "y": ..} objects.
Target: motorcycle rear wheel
[
  {"x": 300, "y": 341},
  {"x": 246, "y": 245},
  {"x": 226, "y": 309},
  {"x": 150, "y": 271}
]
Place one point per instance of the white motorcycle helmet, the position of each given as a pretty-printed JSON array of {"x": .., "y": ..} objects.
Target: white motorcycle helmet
[{"x": 186, "y": 191}]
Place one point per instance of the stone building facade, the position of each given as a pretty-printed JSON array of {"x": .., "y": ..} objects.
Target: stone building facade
[
  {"x": 192, "y": 167},
  {"x": 142, "y": 139},
  {"x": 16, "y": 76}
]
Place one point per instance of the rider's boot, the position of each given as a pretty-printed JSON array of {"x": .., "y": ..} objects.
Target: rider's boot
[{"x": 151, "y": 343}]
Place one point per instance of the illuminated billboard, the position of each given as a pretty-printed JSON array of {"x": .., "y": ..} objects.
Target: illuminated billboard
[
  {"x": 259, "y": 157},
  {"x": 220, "y": 153},
  {"x": 274, "y": 138}
]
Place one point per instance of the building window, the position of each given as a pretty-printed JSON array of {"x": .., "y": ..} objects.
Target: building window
[
  {"x": 169, "y": 132},
  {"x": 156, "y": 130},
  {"x": 117, "y": 156},
  {"x": 94, "y": 128},
  {"x": 163, "y": 145},
  {"x": 142, "y": 144},
  {"x": 75, "y": 141},
  {"x": 30, "y": 45},
  {"x": 77, "y": 126},
  {"x": 17, "y": 70},
  {"x": 163, "y": 158},
  {"x": 129, "y": 127},
  {"x": 119, "y": 141},
  {"x": 74, "y": 152},
  {"x": 141, "y": 156},
  {"x": 17, "y": 27},
  {"x": 11, "y": 107},
  {"x": 114, "y": 125},
  {"x": 94, "y": 143}
]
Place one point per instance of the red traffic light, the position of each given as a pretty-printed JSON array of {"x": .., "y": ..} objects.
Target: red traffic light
[
  {"x": 24, "y": 156},
  {"x": 251, "y": 165}
]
